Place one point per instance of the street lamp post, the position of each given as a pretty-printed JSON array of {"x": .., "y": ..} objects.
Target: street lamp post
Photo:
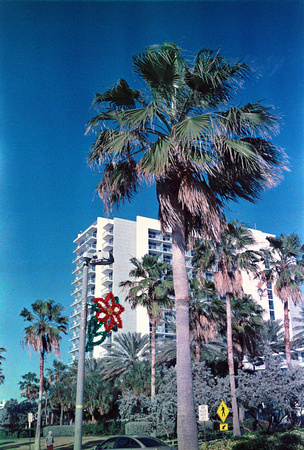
[{"x": 94, "y": 260}]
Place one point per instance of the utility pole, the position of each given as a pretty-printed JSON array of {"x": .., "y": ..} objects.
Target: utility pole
[{"x": 94, "y": 260}]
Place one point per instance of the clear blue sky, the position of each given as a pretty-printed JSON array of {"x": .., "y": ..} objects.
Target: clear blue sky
[{"x": 53, "y": 57}]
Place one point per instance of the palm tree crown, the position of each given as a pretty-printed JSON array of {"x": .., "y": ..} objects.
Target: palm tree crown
[
  {"x": 47, "y": 324},
  {"x": 125, "y": 352},
  {"x": 151, "y": 285},
  {"x": 180, "y": 135}
]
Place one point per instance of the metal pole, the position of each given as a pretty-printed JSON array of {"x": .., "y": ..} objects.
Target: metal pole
[{"x": 81, "y": 358}]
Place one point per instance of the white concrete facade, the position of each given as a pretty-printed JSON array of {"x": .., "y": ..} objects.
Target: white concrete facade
[{"x": 127, "y": 239}]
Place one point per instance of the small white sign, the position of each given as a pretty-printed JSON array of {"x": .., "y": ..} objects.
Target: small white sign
[
  {"x": 30, "y": 417},
  {"x": 203, "y": 413}
]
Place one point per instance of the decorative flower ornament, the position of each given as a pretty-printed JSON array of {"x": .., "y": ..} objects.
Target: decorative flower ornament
[
  {"x": 109, "y": 311},
  {"x": 106, "y": 312}
]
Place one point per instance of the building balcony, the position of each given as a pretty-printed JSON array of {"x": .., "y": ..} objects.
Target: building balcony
[
  {"x": 107, "y": 269},
  {"x": 109, "y": 227},
  {"x": 75, "y": 301},
  {"x": 77, "y": 289},
  {"x": 76, "y": 312},
  {"x": 108, "y": 246},
  {"x": 82, "y": 237},
  {"x": 74, "y": 324},
  {"x": 91, "y": 281},
  {"x": 77, "y": 278},
  {"x": 73, "y": 349}
]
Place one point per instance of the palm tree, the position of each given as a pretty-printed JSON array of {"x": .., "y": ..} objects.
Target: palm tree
[
  {"x": 206, "y": 312},
  {"x": 233, "y": 256},
  {"x": 182, "y": 133},
  {"x": 272, "y": 337},
  {"x": 126, "y": 352},
  {"x": 43, "y": 335},
  {"x": 298, "y": 337},
  {"x": 151, "y": 288},
  {"x": 284, "y": 269},
  {"x": 2, "y": 350},
  {"x": 29, "y": 386},
  {"x": 55, "y": 376},
  {"x": 99, "y": 394},
  {"x": 247, "y": 327}
]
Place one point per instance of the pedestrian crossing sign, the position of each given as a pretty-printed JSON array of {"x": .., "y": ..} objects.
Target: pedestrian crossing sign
[{"x": 223, "y": 411}]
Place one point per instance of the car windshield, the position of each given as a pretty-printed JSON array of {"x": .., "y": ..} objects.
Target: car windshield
[{"x": 151, "y": 442}]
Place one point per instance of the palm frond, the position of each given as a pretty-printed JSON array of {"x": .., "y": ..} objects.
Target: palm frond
[
  {"x": 193, "y": 129},
  {"x": 120, "y": 96},
  {"x": 120, "y": 182}
]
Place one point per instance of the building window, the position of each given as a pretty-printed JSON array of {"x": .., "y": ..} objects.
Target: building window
[
  {"x": 272, "y": 316},
  {"x": 269, "y": 291}
]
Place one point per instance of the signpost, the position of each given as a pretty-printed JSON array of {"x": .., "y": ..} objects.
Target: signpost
[
  {"x": 223, "y": 412},
  {"x": 30, "y": 418},
  {"x": 203, "y": 417}
]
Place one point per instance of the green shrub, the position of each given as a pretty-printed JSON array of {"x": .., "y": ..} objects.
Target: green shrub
[
  {"x": 288, "y": 441},
  {"x": 103, "y": 428},
  {"x": 138, "y": 428},
  {"x": 59, "y": 430},
  {"x": 3, "y": 433},
  {"x": 254, "y": 442}
]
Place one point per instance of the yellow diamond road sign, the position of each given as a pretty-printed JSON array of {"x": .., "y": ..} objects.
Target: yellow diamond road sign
[{"x": 223, "y": 411}]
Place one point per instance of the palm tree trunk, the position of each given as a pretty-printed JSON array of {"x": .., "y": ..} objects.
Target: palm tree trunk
[
  {"x": 153, "y": 360},
  {"x": 186, "y": 417},
  {"x": 38, "y": 429},
  {"x": 197, "y": 350},
  {"x": 236, "y": 423},
  {"x": 61, "y": 414},
  {"x": 287, "y": 333},
  {"x": 45, "y": 408}
]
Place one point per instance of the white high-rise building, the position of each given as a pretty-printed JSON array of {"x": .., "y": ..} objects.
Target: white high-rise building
[{"x": 127, "y": 239}]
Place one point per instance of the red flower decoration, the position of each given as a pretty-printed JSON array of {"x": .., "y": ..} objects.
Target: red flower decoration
[{"x": 109, "y": 311}]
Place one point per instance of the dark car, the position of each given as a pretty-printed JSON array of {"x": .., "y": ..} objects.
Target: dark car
[{"x": 133, "y": 442}]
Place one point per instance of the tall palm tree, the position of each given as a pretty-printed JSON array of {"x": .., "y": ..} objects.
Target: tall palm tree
[
  {"x": 284, "y": 268},
  {"x": 152, "y": 288},
  {"x": 182, "y": 132},
  {"x": 43, "y": 335},
  {"x": 228, "y": 258},
  {"x": 233, "y": 256},
  {"x": 29, "y": 386}
]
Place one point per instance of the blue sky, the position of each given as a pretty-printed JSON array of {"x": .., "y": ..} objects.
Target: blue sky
[{"x": 53, "y": 57}]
